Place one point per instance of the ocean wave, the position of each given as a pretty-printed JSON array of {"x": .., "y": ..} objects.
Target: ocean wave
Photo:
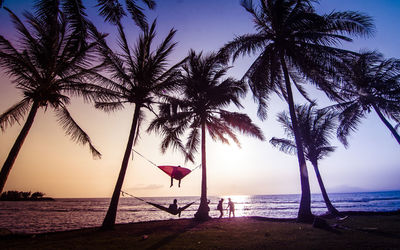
[{"x": 68, "y": 214}]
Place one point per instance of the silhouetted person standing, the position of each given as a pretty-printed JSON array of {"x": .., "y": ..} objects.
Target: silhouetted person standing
[
  {"x": 231, "y": 207},
  {"x": 220, "y": 207}
]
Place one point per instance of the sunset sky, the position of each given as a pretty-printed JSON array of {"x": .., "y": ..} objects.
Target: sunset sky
[{"x": 51, "y": 163}]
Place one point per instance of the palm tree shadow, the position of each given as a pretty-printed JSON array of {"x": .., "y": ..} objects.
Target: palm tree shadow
[{"x": 169, "y": 238}]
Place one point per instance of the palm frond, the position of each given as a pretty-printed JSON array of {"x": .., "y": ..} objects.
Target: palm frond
[
  {"x": 242, "y": 123},
  {"x": 75, "y": 12},
  {"x": 76, "y": 133},
  {"x": 349, "y": 22},
  {"x": 193, "y": 141},
  {"x": 14, "y": 114},
  {"x": 349, "y": 119},
  {"x": 111, "y": 10},
  {"x": 244, "y": 45},
  {"x": 137, "y": 14},
  {"x": 109, "y": 106},
  {"x": 285, "y": 145}
]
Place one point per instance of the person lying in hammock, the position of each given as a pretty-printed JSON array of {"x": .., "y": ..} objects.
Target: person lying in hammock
[
  {"x": 173, "y": 208},
  {"x": 176, "y": 174}
]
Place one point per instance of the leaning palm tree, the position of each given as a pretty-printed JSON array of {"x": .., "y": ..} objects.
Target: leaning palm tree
[
  {"x": 50, "y": 63},
  {"x": 316, "y": 128},
  {"x": 368, "y": 82},
  {"x": 135, "y": 76},
  {"x": 200, "y": 108},
  {"x": 293, "y": 41}
]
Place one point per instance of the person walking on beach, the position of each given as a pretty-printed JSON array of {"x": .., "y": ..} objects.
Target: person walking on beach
[
  {"x": 220, "y": 208},
  {"x": 231, "y": 207}
]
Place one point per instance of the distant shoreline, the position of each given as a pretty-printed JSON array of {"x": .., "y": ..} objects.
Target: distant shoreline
[
  {"x": 13, "y": 195},
  {"x": 31, "y": 199}
]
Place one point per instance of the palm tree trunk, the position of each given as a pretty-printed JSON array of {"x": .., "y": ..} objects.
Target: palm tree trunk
[
  {"x": 304, "y": 214},
  {"x": 202, "y": 212},
  {"x": 387, "y": 123},
  {"x": 328, "y": 203},
  {"x": 5, "y": 170},
  {"x": 109, "y": 220}
]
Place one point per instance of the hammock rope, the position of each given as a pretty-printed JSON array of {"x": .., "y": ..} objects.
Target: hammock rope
[{"x": 166, "y": 209}]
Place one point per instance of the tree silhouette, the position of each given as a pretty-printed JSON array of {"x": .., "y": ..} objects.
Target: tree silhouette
[
  {"x": 199, "y": 107},
  {"x": 368, "y": 82},
  {"x": 293, "y": 41},
  {"x": 50, "y": 64},
  {"x": 137, "y": 76},
  {"x": 316, "y": 128}
]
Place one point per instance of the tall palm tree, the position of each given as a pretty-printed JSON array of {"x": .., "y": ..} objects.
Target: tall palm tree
[
  {"x": 293, "y": 41},
  {"x": 137, "y": 76},
  {"x": 368, "y": 82},
  {"x": 316, "y": 128},
  {"x": 198, "y": 108},
  {"x": 50, "y": 63}
]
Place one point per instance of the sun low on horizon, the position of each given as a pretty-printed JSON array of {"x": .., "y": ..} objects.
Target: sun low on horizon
[{"x": 51, "y": 163}]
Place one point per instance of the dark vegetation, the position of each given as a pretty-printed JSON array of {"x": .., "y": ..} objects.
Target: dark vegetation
[{"x": 24, "y": 196}]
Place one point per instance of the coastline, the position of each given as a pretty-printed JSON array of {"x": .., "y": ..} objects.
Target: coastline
[{"x": 359, "y": 230}]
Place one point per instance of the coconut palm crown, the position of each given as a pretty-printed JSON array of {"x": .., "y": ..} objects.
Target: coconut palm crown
[
  {"x": 200, "y": 107},
  {"x": 368, "y": 82},
  {"x": 294, "y": 43},
  {"x": 317, "y": 127},
  {"x": 50, "y": 63}
]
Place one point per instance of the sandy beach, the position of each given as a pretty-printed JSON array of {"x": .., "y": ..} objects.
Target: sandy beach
[{"x": 357, "y": 231}]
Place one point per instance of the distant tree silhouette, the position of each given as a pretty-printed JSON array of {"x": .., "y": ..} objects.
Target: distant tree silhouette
[
  {"x": 26, "y": 195},
  {"x": 199, "y": 107},
  {"x": 316, "y": 128},
  {"x": 22, "y": 196},
  {"x": 293, "y": 41},
  {"x": 37, "y": 195},
  {"x": 368, "y": 82},
  {"x": 137, "y": 76},
  {"x": 49, "y": 65}
]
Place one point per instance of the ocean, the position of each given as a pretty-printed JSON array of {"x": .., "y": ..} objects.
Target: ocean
[{"x": 69, "y": 214}]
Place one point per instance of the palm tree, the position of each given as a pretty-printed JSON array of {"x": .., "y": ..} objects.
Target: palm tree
[
  {"x": 50, "y": 63},
  {"x": 136, "y": 76},
  {"x": 198, "y": 108},
  {"x": 316, "y": 128},
  {"x": 368, "y": 82},
  {"x": 293, "y": 41}
]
